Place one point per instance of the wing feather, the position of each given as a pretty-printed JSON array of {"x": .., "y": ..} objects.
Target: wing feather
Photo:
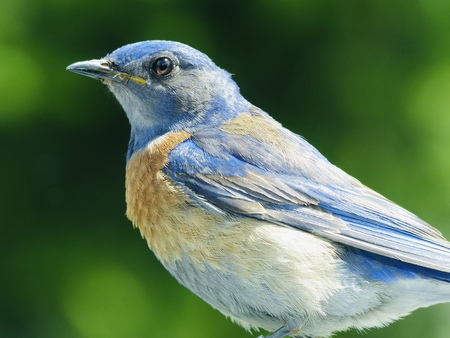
[{"x": 284, "y": 180}]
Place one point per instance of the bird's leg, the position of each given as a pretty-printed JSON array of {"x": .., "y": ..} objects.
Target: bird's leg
[{"x": 280, "y": 333}]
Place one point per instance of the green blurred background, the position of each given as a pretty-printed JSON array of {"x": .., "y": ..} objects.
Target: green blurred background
[{"x": 366, "y": 82}]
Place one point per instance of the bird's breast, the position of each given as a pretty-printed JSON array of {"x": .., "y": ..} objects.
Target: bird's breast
[
  {"x": 153, "y": 200},
  {"x": 172, "y": 224}
]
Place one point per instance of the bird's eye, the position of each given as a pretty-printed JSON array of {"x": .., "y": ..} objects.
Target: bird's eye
[{"x": 162, "y": 66}]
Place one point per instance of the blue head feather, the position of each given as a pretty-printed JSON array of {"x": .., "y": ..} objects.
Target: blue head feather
[{"x": 195, "y": 95}]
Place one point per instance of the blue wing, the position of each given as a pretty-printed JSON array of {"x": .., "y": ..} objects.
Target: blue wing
[{"x": 254, "y": 167}]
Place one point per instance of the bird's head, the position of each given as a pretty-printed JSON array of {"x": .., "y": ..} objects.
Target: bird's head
[{"x": 166, "y": 86}]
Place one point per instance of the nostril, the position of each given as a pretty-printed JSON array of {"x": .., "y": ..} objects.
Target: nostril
[{"x": 110, "y": 64}]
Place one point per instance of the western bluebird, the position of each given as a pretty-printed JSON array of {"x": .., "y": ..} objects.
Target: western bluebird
[{"x": 250, "y": 216}]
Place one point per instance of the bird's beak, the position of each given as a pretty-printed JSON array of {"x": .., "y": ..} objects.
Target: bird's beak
[{"x": 101, "y": 69}]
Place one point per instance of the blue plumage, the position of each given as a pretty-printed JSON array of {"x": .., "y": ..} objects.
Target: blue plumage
[
  {"x": 250, "y": 216},
  {"x": 381, "y": 268}
]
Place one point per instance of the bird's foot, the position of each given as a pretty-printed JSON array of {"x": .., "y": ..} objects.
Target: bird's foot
[{"x": 280, "y": 333}]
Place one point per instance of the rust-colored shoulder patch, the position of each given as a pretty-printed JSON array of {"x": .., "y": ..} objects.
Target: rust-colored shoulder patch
[{"x": 255, "y": 126}]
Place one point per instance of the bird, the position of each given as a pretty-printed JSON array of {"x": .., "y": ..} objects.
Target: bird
[{"x": 251, "y": 217}]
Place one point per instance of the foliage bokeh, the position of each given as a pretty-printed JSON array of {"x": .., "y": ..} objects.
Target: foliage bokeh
[{"x": 367, "y": 83}]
